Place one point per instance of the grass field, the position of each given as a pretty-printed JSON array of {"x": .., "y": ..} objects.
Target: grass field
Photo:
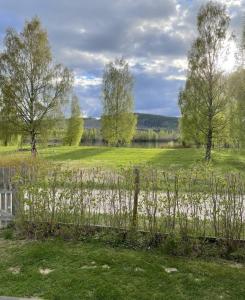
[
  {"x": 54, "y": 269},
  {"x": 94, "y": 271},
  {"x": 117, "y": 157}
]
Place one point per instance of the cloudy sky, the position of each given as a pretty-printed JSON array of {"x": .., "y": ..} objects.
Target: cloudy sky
[{"x": 153, "y": 35}]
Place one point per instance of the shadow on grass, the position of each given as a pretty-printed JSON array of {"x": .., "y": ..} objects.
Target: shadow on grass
[
  {"x": 238, "y": 165},
  {"x": 231, "y": 161},
  {"x": 224, "y": 160},
  {"x": 78, "y": 154},
  {"x": 179, "y": 158}
]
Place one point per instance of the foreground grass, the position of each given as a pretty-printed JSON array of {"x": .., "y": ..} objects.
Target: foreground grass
[
  {"x": 112, "y": 157},
  {"x": 92, "y": 271}
]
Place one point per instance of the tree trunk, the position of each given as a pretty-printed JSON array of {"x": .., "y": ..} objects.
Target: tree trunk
[
  {"x": 209, "y": 144},
  {"x": 33, "y": 144},
  {"x": 5, "y": 143}
]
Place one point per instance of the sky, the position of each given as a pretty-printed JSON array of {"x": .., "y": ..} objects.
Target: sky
[{"x": 154, "y": 36}]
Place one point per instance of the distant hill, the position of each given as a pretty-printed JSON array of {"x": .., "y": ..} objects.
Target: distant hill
[
  {"x": 145, "y": 121},
  {"x": 148, "y": 121},
  {"x": 91, "y": 123}
]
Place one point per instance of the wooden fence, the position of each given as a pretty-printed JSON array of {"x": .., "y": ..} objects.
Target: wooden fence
[{"x": 7, "y": 196}]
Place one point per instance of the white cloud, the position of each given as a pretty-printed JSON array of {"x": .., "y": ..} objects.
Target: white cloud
[
  {"x": 86, "y": 81},
  {"x": 180, "y": 63},
  {"x": 228, "y": 59},
  {"x": 230, "y": 3},
  {"x": 153, "y": 35},
  {"x": 79, "y": 59},
  {"x": 176, "y": 77}
]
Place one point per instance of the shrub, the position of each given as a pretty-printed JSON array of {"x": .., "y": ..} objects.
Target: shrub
[
  {"x": 135, "y": 211},
  {"x": 8, "y": 233}
]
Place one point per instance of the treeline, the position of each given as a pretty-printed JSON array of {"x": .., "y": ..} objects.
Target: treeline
[
  {"x": 94, "y": 135},
  {"x": 212, "y": 102},
  {"x": 62, "y": 131},
  {"x": 151, "y": 135},
  {"x": 58, "y": 136}
]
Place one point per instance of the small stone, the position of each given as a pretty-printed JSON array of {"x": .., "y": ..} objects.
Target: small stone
[
  {"x": 45, "y": 271},
  {"x": 14, "y": 270},
  {"x": 137, "y": 269},
  {"x": 106, "y": 267},
  {"x": 170, "y": 270},
  {"x": 88, "y": 267},
  {"x": 237, "y": 266}
]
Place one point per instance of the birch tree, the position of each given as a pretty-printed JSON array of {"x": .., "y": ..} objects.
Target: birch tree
[
  {"x": 118, "y": 120},
  {"x": 32, "y": 86},
  {"x": 75, "y": 124},
  {"x": 206, "y": 101}
]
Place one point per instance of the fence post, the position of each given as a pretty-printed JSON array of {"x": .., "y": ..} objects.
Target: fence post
[{"x": 136, "y": 197}]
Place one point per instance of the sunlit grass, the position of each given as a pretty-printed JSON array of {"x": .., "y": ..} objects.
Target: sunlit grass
[{"x": 114, "y": 157}]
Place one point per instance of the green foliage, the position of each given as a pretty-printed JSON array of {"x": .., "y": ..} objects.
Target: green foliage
[
  {"x": 91, "y": 135},
  {"x": 146, "y": 135},
  {"x": 189, "y": 122},
  {"x": 208, "y": 248},
  {"x": 198, "y": 202},
  {"x": 8, "y": 233},
  {"x": 238, "y": 255},
  {"x": 9, "y": 134},
  {"x": 203, "y": 101},
  {"x": 75, "y": 124},
  {"x": 118, "y": 120},
  {"x": 118, "y": 129},
  {"x": 53, "y": 129},
  {"x": 236, "y": 92},
  {"x": 31, "y": 85},
  {"x": 177, "y": 245},
  {"x": 150, "y": 135}
]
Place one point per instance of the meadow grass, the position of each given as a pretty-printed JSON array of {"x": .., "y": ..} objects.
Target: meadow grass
[
  {"x": 114, "y": 157},
  {"x": 94, "y": 271}
]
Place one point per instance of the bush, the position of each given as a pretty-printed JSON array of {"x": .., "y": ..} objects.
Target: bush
[
  {"x": 238, "y": 255},
  {"x": 89, "y": 203},
  {"x": 8, "y": 233},
  {"x": 205, "y": 248},
  {"x": 177, "y": 245}
]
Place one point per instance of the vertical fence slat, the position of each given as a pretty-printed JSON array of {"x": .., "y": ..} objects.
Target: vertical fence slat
[{"x": 136, "y": 197}]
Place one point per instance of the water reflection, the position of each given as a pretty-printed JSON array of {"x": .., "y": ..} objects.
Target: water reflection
[{"x": 135, "y": 144}]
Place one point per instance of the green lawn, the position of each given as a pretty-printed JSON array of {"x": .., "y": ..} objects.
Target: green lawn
[
  {"x": 117, "y": 157},
  {"x": 93, "y": 271}
]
